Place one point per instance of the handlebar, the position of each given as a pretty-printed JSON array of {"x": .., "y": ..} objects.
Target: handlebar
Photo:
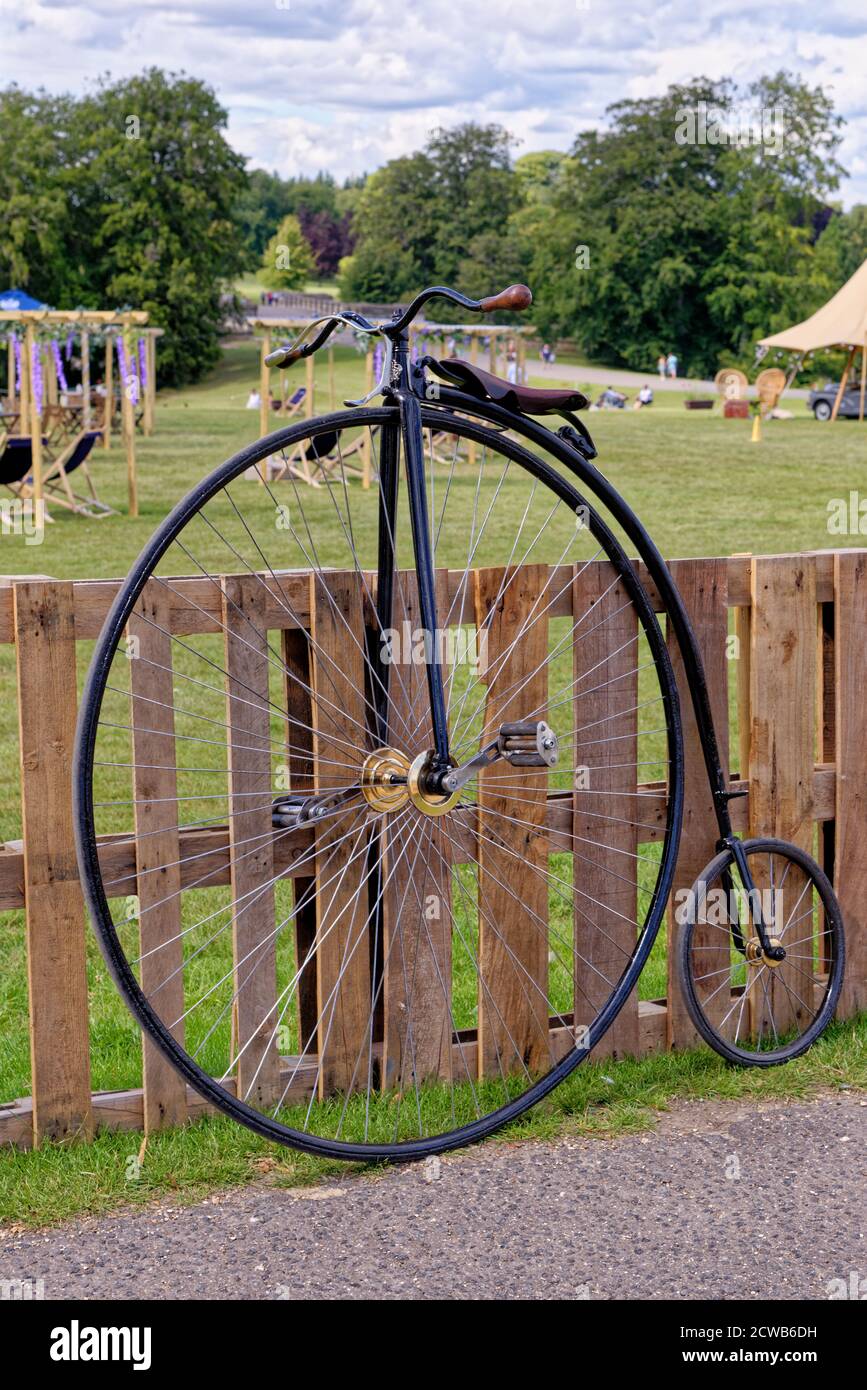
[{"x": 515, "y": 297}]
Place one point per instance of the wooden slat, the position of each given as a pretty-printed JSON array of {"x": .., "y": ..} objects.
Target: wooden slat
[
  {"x": 251, "y": 861},
  {"x": 513, "y": 865},
  {"x": 56, "y": 970},
  {"x": 782, "y": 739},
  {"x": 417, "y": 965},
  {"x": 158, "y": 880},
  {"x": 851, "y": 742},
  {"x": 605, "y": 655},
  {"x": 703, "y": 587},
  {"x": 342, "y": 912},
  {"x": 122, "y": 1110},
  {"x": 299, "y": 760}
]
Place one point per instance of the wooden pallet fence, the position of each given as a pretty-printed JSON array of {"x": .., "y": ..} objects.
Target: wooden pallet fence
[{"x": 797, "y": 668}]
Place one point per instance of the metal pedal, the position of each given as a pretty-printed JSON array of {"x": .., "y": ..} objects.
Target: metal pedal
[{"x": 529, "y": 743}]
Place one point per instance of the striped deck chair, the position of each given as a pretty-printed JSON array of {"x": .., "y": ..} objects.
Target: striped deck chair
[
  {"x": 16, "y": 466},
  {"x": 55, "y": 479},
  {"x": 292, "y": 404},
  {"x": 321, "y": 460}
]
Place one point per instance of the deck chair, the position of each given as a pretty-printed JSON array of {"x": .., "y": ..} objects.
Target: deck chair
[
  {"x": 16, "y": 467},
  {"x": 322, "y": 460},
  {"x": 292, "y": 404},
  {"x": 55, "y": 479}
]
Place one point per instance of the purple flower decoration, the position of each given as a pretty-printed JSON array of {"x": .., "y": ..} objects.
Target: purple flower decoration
[
  {"x": 128, "y": 380},
  {"x": 58, "y": 363},
  {"x": 36, "y": 376}
]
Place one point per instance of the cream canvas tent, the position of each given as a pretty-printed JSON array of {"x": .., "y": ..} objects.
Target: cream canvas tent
[{"x": 842, "y": 322}]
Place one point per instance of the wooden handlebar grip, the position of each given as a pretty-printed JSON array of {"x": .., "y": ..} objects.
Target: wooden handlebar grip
[
  {"x": 281, "y": 358},
  {"x": 515, "y": 297}
]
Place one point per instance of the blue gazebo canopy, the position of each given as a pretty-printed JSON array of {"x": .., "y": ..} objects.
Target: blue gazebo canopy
[{"x": 18, "y": 299}]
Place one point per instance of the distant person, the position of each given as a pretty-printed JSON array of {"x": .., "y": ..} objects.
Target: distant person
[
  {"x": 611, "y": 399},
  {"x": 254, "y": 400},
  {"x": 545, "y": 352},
  {"x": 662, "y": 364},
  {"x": 671, "y": 364},
  {"x": 644, "y": 397}
]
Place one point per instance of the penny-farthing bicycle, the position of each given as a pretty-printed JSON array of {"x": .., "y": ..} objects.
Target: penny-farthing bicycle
[{"x": 415, "y": 721}]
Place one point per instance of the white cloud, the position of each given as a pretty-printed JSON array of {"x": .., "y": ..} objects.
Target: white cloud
[{"x": 310, "y": 84}]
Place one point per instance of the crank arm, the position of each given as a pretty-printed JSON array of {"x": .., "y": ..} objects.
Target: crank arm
[
  {"x": 525, "y": 744},
  {"x": 295, "y": 809}
]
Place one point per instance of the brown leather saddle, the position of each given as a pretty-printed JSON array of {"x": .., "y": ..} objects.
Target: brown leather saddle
[{"x": 528, "y": 400}]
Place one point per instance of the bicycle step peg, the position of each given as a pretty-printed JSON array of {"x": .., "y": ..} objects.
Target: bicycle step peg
[{"x": 528, "y": 743}]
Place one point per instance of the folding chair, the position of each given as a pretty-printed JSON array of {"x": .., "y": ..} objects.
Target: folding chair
[
  {"x": 320, "y": 460},
  {"x": 16, "y": 467},
  {"x": 56, "y": 482},
  {"x": 292, "y": 404}
]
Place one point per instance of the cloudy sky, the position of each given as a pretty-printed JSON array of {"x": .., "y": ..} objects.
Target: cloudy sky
[{"x": 344, "y": 86}]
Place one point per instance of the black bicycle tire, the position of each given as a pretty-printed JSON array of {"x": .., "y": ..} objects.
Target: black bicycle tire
[
  {"x": 86, "y": 841},
  {"x": 719, "y": 1044}
]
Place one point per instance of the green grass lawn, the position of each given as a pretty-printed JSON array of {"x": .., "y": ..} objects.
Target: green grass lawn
[{"x": 702, "y": 488}]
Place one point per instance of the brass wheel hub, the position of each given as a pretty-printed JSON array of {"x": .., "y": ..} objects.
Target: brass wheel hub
[
  {"x": 384, "y": 778},
  {"x": 755, "y": 954},
  {"x": 389, "y": 781},
  {"x": 431, "y": 803}
]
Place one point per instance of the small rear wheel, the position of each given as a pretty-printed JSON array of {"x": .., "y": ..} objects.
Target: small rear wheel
[{"x": 751, "y": 1009}]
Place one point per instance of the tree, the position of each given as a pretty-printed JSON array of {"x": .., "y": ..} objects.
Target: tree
[
  {"x": 678, "y": 227},
  {"x": 634, "y": 226},
  {"x": 151, "y": 184},
  {"x": 437, "y": 216},
  {"x": 287, "y": 262},
  {"x": 32, "y": 205},
  {"x": 263, "y": 203},
  {"x": 329, "y": 237},
  {"x": 842, "y": 247}
]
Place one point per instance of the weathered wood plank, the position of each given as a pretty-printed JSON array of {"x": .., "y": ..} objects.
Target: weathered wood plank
[
  {"x": 417, "y": 964},
  {"x": 297, "y": 693},
  {"x": 605, "y": 657},
  {"x": 703, "y": 587},
  {"x": 344, "y": 995},
  {"x": 513, "y": 863},
  {"x": 782, "y": 745},
  {"x": 158, "y": 853},
  {"x": 248, "y": 717},
  {"x": 56, "y": 970},
  {"x": 850, "y": 878}
]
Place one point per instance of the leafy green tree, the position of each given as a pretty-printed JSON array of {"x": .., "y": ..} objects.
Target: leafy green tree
[
  {"x": 666, "y": 231},
  {"x": 635, "y": 224},
  {"x": 287, "y": 262},
  {"x": 439, "y": 215},
  {"x": 151, "y": 184},
  {"x": 263, "y": 203},
  {"x": 32, "y": 204},
  {"x": 842, "y": 247}
]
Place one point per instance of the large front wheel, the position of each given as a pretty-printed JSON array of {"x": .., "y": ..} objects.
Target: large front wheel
[{"x": 329, "y": 952}]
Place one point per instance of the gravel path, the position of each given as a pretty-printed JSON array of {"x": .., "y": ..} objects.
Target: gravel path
[{"x": 653, "y": 1216}]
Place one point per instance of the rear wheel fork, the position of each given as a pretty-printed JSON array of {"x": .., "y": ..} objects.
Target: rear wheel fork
[{"x": 771, "y": 949}]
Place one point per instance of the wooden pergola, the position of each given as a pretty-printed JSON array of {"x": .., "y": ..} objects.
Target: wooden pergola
[
  {"x": 497, "y": 333},
  {"x": 129, "y": 325}
]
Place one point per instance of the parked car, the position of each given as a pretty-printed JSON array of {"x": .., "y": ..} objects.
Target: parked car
[{"x": 821, "y": 401}]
